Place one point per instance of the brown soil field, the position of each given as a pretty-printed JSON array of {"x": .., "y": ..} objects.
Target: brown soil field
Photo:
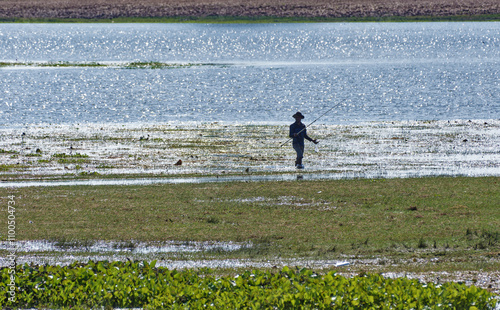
[{"x": 105, "y": 9}]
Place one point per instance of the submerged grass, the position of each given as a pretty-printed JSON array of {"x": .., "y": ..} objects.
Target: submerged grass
[
  {"x": 9, "y": 167},
  {"x": 378, "y": 149},
  {"x": 131, "y": 65},
  {"x": 452, "y": 217}
]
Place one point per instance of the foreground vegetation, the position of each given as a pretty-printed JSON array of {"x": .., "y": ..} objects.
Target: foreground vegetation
[{"x": 133, "y": 284}]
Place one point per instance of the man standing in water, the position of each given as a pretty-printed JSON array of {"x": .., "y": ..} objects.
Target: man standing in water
[{"x": 298, "y": 133}]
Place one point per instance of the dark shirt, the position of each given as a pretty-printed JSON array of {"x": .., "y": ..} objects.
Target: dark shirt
[{"x": 295, "y": 128}]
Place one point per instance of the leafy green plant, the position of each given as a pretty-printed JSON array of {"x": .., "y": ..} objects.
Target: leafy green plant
[{"x": 142, "y": 284}]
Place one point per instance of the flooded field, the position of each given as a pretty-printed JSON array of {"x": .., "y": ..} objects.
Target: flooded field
[
  {"x": 412, "y": 88},
  {"x": 207, "y": 152},
  {"x": 378, "y": 149}
]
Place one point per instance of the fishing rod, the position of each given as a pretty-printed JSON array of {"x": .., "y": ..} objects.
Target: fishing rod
[{"x": 314, "y": 121}]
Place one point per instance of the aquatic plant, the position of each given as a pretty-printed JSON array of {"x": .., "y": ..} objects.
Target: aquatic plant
[
  {"x": 131, "y": 65},
  {"x": 142, "y": 284},
  {"x": 153, "y": 65},
  {"x": 63, "y": 155},
  {"x": 365, "y": 151},
  {"x": 7, "y": 167}
]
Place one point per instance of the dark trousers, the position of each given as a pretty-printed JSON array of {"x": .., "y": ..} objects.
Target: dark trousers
[{"x": 300, "y": 153}]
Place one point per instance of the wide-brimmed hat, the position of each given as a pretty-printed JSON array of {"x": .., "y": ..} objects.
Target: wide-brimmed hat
[{"x": 298, "y": 115}]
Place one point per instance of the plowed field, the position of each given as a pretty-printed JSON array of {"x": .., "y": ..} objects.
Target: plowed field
[{"x": 104, "y": 9}]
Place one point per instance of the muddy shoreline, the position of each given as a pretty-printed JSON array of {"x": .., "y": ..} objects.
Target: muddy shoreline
[{"x": 99, "y": 9}]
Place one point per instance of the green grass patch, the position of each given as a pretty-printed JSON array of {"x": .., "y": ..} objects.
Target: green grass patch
[
  {"x": 200, "y": 144},
  {"x": 86, "y": 173},
  {"x": 156, "y": 65},
  {"x": 388, "y": 217},
  {"x": 8, "y": 167},
  {"x": 72, "y": 161},
  {"x": 104, "y": 166},
  {"x": 2, "y": 151},
  {"x": 63, "y": 155},
  {"x": 142, "y": 284},
  {"x": 62, "y": 64},
  {"x": 77, "y": 158},
  {"x": 131, "y": 65}
]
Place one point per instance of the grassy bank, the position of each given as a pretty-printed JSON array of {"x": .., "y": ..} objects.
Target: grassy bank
[
  {"x": 257, "y": 19},
  {"x": 320, "y": 219}
]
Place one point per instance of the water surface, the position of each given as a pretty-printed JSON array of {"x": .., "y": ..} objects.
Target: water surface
[{"x": 251, "y": 73}]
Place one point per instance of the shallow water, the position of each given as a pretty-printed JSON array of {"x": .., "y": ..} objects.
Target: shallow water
[
  {"x": 253, "y": 178},
  {"x": 214, "y": 152},
  {"x": 251, "y": 73},
  {"x": 131, "y": 247}
]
